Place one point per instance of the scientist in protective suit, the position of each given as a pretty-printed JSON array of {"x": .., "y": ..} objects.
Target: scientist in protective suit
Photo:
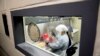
[{"x": 59, "y": 45}]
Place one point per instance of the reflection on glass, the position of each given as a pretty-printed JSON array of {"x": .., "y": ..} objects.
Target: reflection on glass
[{"x": 58, "y": 34}]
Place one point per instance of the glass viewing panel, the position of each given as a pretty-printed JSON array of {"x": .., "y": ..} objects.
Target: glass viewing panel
[{"x": 59, "y": 35}]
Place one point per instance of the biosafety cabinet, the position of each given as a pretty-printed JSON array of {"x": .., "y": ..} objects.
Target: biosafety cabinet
[{"x": 54, "y": 29}]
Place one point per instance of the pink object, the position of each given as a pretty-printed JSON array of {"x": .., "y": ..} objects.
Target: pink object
[{"x": 46, "y": 37}]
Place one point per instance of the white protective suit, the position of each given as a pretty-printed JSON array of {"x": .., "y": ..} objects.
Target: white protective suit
[{"x": 62, "y": 40}]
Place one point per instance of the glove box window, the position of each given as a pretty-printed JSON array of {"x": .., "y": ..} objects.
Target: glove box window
[{"x": 41, "y": 31}]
